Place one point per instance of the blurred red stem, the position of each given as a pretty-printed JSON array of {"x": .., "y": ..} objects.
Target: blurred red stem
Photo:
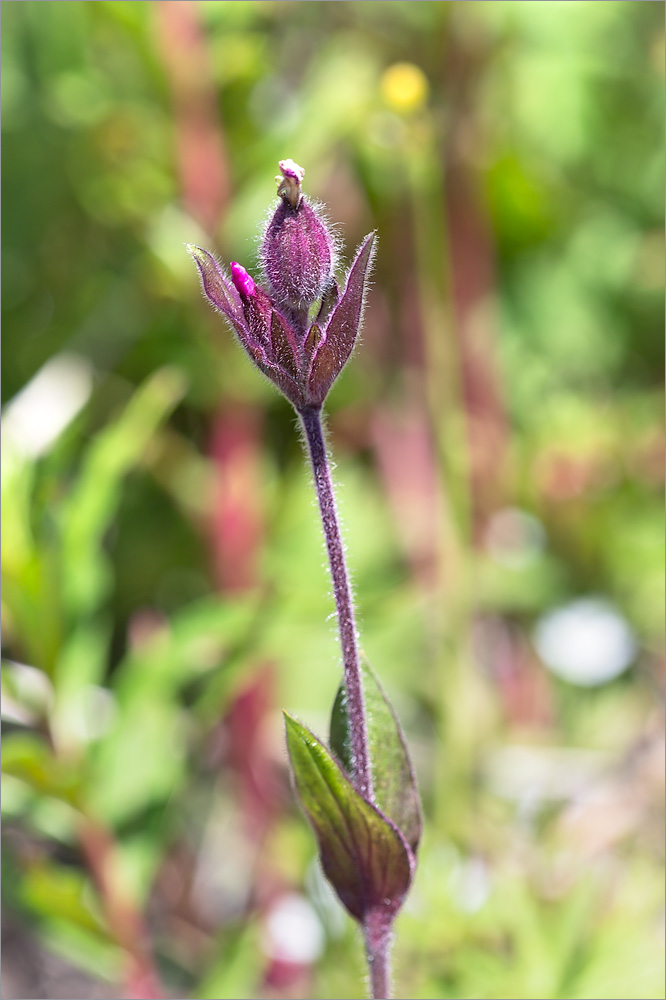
[
  {"x": 125, "y": 922},
  {"x": 200, "y": 145}
]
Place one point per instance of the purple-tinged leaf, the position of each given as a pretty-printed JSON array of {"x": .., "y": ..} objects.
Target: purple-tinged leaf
[
  {"x": 217, "y": 288},
  {"x": 363, "y": 854},
  {"x": 343, "y": 327},
  {"x": 393, "y": 779}
]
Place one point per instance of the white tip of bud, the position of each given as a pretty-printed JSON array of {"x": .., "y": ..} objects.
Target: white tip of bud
[{"x": 289, "y": 184}]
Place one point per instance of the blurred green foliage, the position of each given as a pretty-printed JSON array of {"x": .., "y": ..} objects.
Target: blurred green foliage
[{"x": 500, "y": 454}]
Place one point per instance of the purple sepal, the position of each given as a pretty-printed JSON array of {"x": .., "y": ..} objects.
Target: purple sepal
[
  {"x": 328, "y": 303},
  {"x": 343, "y": 327},
  {"x": 217, "y": 287}
]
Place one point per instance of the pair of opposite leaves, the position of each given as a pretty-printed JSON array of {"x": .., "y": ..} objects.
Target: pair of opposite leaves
[{"x": 367, "y": 849}]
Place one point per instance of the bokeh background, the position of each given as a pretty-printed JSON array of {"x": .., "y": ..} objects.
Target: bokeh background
[{"x": 499, "y": 447}]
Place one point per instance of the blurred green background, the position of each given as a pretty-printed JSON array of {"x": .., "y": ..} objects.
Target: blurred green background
[{"x": 499, "y": 447}]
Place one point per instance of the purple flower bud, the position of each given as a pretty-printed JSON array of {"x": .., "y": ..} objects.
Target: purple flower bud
[
  {"x": 302, "y": 358},
  {"x": 242, "y": 280},
  {"x": 298, "y": 249}
]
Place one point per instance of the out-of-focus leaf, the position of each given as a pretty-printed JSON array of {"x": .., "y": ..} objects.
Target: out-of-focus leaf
[
  {"x": 78, "y": 672},
  {"x": 139, "y": 763},
  {"x": 30, "y": 593},
  {"x": 195, "y": 643},
  {"x": 27, "y": 757},
  {"x": 91, "y": 505},
  {"x": 51, "y": 890},
  {"x": 362, "y": 853},
  {"x": 393, "y": 778},
  {"x": 234, "y": 973},
  {"x": 83, "y": 948}
]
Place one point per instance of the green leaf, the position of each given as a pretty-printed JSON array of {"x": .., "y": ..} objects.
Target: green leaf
[
  {"x": 394, "y": 782},
  {"x": 93, "y": 501},
  {"x": 27, "y": 757},
  {"x": 52, "y": 890},
  {"x": 362, "y": 853},
  {"x": 139, "y": 763}
]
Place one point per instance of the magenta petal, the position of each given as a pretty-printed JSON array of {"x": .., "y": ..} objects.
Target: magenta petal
[{"x": 243, "y": 282}]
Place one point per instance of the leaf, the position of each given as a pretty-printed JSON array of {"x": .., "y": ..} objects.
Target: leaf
[
  {"x": 393, "y": 778},
  {"x": 53, "y": 890},
  {"x": 27, "y": 757},
  {"x": 363, "y": 854},
  {"x": 140, "y": 762},
  {"x": 91, "y": 506}
]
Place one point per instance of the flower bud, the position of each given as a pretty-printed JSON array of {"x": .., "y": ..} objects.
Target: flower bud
[
  {"x": 243, "y": 282},
  {"x": 298, "y": 249}
]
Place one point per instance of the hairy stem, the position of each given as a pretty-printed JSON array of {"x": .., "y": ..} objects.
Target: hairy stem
[
  {"x": 362, "y": 777},
  {"x": 377, "y": 935}
]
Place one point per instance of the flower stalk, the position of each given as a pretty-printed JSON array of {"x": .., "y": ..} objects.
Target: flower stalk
[
  {"x": 314, "y": 436},
  {"x": 299, "y": 327}
]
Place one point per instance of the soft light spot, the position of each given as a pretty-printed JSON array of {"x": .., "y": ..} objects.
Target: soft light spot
[
  {"x": 41, "y": 411},
  {"x": 514, "y": 538},
  {"x": 404, "y": 87},
  {"x": 588, "y": 642},
  {"x": 293, "y": 931}
]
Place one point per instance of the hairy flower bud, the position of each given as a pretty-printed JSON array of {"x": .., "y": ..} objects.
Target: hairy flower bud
[
  {"x": 298, "y": 250},
  {"x": 300, "y": 352}
]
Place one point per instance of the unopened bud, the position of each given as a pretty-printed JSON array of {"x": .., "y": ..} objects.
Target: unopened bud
[
  {"x": 289, "y": 185},
  {"x": 243, "y": 282},
  {"x": 298, "y": 250}
]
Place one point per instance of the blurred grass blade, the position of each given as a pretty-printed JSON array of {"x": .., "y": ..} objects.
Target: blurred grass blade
[
  {"x": 394, "y": 782},
  {"x": 93, "y": 501}
]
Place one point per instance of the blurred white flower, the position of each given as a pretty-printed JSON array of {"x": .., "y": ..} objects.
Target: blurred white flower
[
  {"x": 293, "y": 931},
  {"x": 587, "y": 642}
]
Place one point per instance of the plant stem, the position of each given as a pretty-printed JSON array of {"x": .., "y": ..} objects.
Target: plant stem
[
  {"x": 377, "y": 935},
  {"x": 376, "y": 926},
  {"x": 361, "y": 777}
]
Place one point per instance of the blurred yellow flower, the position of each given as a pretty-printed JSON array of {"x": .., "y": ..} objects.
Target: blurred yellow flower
[{"x": 404, "y": 87}]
